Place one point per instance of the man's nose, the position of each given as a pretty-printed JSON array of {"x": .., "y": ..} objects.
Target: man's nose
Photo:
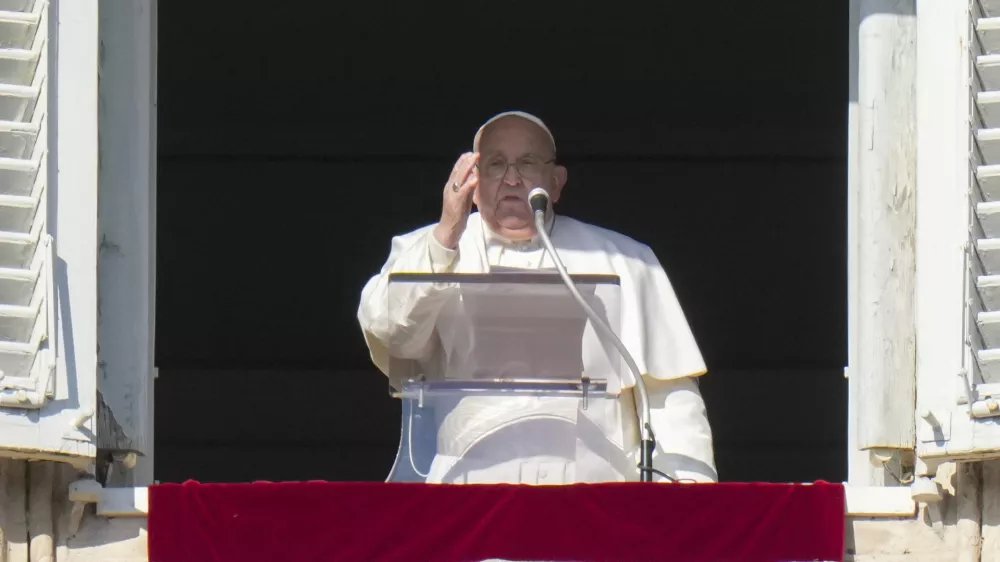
[{"x": 512, "y": 176}]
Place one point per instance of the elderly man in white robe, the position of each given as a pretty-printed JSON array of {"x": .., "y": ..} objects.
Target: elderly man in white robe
[{"x": 512, "y": 153}]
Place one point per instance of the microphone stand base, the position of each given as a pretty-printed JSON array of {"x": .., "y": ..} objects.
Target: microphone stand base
[{"x": 646, "y": 460}]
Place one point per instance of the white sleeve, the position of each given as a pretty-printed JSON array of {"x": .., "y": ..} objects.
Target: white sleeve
[
  {"x": 402, "y": 328},
  {"x": 684, "y": 449}
]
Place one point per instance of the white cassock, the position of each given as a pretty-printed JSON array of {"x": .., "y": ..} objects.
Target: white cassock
[{"x": 653, "y": 329}]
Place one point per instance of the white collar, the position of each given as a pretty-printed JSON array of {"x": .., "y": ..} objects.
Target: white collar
[{"x": 493, "y": 239}]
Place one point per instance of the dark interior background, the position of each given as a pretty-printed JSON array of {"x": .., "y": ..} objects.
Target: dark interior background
[{"x": 294, "y": 143}]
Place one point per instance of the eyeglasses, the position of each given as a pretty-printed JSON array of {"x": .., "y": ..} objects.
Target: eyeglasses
[{"x": 527, "y": 167}]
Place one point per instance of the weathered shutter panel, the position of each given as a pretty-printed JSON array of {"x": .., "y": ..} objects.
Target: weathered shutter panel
[
  {"x": 47, "y": 384},
  {"x": 27, "y": 312},
  {"x": 982, "y": 379},
  {"x": 984, "y": 255},
  {"x": 959, "y": 388}
]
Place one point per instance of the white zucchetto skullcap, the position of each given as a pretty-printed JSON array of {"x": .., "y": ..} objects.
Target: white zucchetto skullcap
[{"x": 522, "y": 115}]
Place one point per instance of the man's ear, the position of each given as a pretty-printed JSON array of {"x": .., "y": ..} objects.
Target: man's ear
[
  {"x": 559, "y": 176},
  {"x": 475, "y": 197}
]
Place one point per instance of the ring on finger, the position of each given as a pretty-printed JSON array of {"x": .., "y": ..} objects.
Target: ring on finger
[{"x": 455, "y": 186}]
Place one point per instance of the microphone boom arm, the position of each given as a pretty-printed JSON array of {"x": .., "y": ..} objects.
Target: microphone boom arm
[{"x": 539, "y": 201}]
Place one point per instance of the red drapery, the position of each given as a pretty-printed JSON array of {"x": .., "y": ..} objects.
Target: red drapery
[{"x": 371, "y": 522}]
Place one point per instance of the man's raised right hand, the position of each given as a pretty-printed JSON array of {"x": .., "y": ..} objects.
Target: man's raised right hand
[{"x": 457, "y": 200}]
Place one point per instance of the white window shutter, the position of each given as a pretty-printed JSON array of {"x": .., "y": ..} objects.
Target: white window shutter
[
  {"x": 958, "y": 236},
  {"x": 27, "y": 310},
  {"x": 47, "y": 396}
]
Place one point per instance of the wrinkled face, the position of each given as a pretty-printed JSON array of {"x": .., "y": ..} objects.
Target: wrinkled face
[{"x": 515, "y": 156}]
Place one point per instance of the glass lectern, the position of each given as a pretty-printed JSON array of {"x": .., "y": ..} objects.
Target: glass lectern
[{"x": 504, "y": 379}]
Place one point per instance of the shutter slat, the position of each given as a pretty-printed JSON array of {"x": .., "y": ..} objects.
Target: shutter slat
[
  {"x": 17, "y": 103},
  {"x": 988, "y": 104},
  {"x": 989, "y": 218},
  {"x": 988, "y": 141},
  {"x": 988, "y": 30},
  {"x": 988, "y": 285},
  {"x": 988, "y": 67},
  {"x": 17, "y": 66},
  {"x": 17, "y": 140},
  {"x": 17, "y": 5},
  {"x": 18, "y": 165},
  {"x": 988, "y": 361},
  {"x": 17, "y": 29},
  {"x": 988, "y": 251},
  {"x": 17, "y": 17},
  {"x": 989, "y": 327}
]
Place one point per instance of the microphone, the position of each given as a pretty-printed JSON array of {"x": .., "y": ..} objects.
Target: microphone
[{"x": 538, "y": 198}]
